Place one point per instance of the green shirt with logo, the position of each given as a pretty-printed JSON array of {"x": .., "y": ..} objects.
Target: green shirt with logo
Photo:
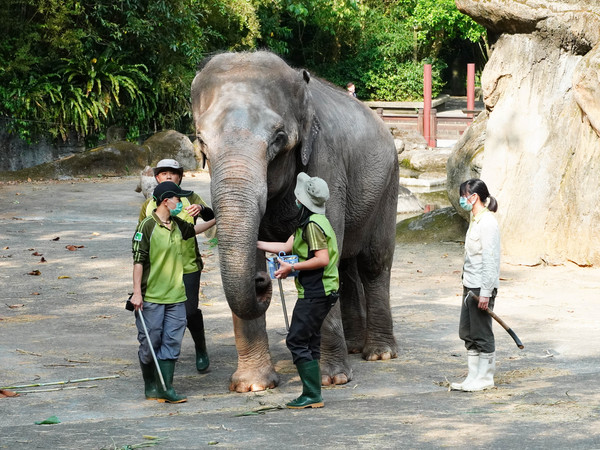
[
  {"x": 160, "y": 251},
  {"x": 192, "y": 261}
]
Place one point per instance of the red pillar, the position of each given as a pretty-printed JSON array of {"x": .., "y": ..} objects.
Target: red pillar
[
  {"x": 471, "y": 87},
  {"x": 427, "y": 105}
]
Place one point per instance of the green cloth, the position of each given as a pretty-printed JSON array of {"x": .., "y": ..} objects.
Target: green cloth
[
  {"x": 308, "y": 239},
  {"x": 159, "y": 250},
  {"x": 192, "y": 261}
]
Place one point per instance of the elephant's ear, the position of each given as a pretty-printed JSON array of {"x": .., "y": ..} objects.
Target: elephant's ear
[{"x": 308, "y": 120}]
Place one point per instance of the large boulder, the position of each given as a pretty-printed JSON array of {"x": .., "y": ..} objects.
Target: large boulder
[
  {"x": 466, "y": 159},
  {"x": 542, "y": 147},
  {"x": 172, "y": 145}
]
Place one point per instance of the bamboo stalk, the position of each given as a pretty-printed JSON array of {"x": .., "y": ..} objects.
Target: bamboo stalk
[
  {"x": 33, "y": 391},
  {"x": 53, "y": 383}
]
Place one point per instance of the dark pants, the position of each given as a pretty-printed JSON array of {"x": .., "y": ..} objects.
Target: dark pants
[
  {"x": 192, "y": 287},
  {"x": 304, "y": 337},
  {"x": 475, "y": 326}
]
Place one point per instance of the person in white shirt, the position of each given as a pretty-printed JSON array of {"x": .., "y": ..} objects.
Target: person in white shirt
[{"x": 481, "y": 275}]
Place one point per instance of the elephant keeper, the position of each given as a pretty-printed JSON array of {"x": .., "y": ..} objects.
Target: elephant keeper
[
  {"x": 317, "y": 282},
  {"x": 158, "y": 288},
  {"x": 193, "y": 206}
]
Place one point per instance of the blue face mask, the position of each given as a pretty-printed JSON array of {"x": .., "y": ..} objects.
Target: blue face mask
[
  {"x": 464, "y": 204},
  {"x": 298, "y": 204},
  {"x": 177, "y": 209}
]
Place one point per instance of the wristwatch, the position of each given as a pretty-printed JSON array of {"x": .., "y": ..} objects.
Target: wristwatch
[{"x": 293, "y": 268}]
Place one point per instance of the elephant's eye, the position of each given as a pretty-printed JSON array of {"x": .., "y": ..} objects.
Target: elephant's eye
[{"x": 280, "y": 139}]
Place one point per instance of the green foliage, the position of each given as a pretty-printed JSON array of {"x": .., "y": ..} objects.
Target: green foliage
[{"x": 85, "y": 65}]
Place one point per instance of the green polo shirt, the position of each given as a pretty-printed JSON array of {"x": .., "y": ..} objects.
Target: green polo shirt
[
  {"x": 316, "y": 235},
  {"x": 160, "y": 250},
  {"x": 192, "y": 261}
]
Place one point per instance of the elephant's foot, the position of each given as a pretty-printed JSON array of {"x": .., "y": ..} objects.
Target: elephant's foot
[
  {"x": 355, "y": 345},
  {"x": 380, "y": 351},
  {"x": 254, "y": 379},
  {"x": 334, "y": 373}
]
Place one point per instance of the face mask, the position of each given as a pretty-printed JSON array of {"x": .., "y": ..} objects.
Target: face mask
[
  {"x": 177, "y": 209},
  {"x": 298, "y": 204},
  {"x": 464, "y": 204}
]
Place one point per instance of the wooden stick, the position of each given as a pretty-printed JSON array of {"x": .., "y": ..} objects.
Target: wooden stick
[{"x": 53, "y": 383}]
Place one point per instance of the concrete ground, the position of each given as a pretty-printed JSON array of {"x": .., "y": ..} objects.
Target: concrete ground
[{"x": 68, "y": 323}]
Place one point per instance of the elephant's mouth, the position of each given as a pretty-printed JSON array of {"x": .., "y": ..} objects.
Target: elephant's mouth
[{"x": 264, "y": 287}]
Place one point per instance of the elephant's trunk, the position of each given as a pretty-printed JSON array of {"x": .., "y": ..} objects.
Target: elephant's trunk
[{"x": 239, "y": 195}]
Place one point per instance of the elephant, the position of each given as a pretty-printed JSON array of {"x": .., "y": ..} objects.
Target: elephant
[{"x": 258, "y": 123}]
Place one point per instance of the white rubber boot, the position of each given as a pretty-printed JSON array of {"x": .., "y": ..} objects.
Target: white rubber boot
[
  {"x": 485, "y": 375},
  {"x": 473, "y": 363}
]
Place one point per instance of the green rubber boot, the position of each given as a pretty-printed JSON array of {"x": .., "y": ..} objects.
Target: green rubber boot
[
  {"x": 167, "y": 368},
  {"x": 196, "y": 327},
  {"x": 310, "y": 374},
  {"x": 149, "y": 375}
]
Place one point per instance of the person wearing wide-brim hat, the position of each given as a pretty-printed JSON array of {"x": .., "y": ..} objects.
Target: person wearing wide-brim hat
[
  {"x": 317, "y": 282},
  {"x": 193, "y": 207},
  {"x": 158, "y": 288}
]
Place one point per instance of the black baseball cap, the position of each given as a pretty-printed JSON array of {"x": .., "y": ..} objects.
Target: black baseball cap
[{"x": 168, "y": 189}]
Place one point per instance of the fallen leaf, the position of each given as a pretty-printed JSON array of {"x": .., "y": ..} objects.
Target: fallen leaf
[
  {"x": 56, "y": 238},
  {"x": 52, "y": 420},
  {"x": 43, "y": 260},
  {"x": 5, "y": 248},
  {"x": 36, "y": 254},
  {"x": 73, "y": 248},
  {"x": 7, "y": 393},
  {"x": 62, "y": 277},
  {"x": 34, "y": 272},
  {"x": 29, "y": 180},
  {"x": 30, "y": 249},
  {"x": 93, "y": 257},
  {"x": 95, "y": 234},
  {"x": 35, "y": 293},
  {"x": 15, "y": 306}
]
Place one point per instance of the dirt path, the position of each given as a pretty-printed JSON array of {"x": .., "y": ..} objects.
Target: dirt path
[{"x": 69, "y": 323}]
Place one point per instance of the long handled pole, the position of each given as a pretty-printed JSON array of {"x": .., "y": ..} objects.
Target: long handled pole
[
  {"x": 287, "y": 325},
  {"x": 162, "y": 380}
]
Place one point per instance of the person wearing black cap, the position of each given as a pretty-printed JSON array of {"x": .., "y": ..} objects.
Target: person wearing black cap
[
  {"x": 158, "y": 287},
  {"x": 317, "y": 282},
  {"x": 193, "y": 206}
]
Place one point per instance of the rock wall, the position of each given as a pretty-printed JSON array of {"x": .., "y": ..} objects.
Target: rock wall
[{"x": 541, "y": 156}]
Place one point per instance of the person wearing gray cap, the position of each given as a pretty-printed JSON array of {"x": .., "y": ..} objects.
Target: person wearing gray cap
[
  {"x": 158, "y": 288},
  {"x": 193, "y": 207},
  {"x": 317, "y": 282}
]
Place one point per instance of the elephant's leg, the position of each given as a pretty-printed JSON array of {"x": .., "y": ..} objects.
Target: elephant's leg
[
  {"x": 375, "y": 273},
  {"x": 352, "y": 303},
  {"x": 335, "y": 367},
  {"x": 255, "y": 370}
]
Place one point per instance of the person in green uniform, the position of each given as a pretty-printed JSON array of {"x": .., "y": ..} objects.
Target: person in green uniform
[
  {"x": 158, "y": 289},
  {"x": 317, "y": 282},
  {"x": 193, "y": 207}
]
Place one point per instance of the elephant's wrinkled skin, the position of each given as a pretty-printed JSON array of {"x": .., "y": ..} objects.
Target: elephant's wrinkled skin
[{"x": 259, "y": 123}]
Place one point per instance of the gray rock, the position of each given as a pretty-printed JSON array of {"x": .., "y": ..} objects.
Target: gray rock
[
  {"x": 542, "y": 148},
  {"x": 173, "y": 145}
]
